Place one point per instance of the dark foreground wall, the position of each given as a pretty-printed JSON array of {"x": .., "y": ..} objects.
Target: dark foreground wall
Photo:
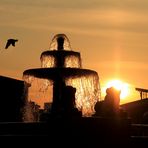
[
  {"x": 137, "y": 110},
  {"x": 73, "y": 132},
  {"x": 11, "y": 100}
]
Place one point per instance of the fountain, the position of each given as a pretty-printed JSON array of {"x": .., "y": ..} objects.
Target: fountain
[{"x": 60, "y": 66}]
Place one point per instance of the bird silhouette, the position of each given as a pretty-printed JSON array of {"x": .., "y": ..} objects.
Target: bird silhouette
[{"x": 10, "y": 42}]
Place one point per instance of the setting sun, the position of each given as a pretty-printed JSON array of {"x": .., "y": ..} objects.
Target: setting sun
[{"x": 119, "y": 85}]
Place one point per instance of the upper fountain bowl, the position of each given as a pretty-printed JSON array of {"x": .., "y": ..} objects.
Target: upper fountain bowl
[
  {"x": 60, "y": 42},
  {"x": 60, "y": 54}
]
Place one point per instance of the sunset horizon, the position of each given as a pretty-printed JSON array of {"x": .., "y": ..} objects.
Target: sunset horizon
[{"x": 110, "y": 35}]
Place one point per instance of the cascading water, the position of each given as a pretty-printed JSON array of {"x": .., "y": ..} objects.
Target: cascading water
[{"x": 59, "y": 65}]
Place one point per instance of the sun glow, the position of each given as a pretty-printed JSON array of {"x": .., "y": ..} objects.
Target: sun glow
[{"x": 119, "y": 85}]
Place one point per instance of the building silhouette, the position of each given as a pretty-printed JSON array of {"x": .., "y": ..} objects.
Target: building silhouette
[
  {"x": 11, "y": 99},
  {"x": 136, "y": 110}
]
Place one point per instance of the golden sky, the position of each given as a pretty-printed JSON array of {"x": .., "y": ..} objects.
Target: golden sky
[{"x": 111, "y": 35}]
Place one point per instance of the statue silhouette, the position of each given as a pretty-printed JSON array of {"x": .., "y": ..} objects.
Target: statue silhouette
[
  {"x": 68, "y": 102},
  {"x": 10, "y": 42},
  {"x": 111, "y": 102},
  {"x": 111, "y": 105}
]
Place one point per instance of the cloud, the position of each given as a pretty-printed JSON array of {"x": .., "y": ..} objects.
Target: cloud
[
  {"x": 82, "y": 4},
  {"x": 84, "y": 14}
]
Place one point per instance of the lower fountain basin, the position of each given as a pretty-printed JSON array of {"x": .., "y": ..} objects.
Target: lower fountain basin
[{"x": 84, "y": 80}]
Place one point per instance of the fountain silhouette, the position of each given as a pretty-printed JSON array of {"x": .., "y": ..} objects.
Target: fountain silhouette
[{"x": 60, "y": 66}]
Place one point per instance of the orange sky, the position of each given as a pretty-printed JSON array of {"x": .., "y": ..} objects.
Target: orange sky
[{"x": 111, "y": 36}]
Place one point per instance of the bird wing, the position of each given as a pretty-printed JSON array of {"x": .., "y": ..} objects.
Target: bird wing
[{"x": 8, "y": 44}]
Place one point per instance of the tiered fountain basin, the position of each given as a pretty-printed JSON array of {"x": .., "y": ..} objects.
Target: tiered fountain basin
[{"x": 62, "y": 65}]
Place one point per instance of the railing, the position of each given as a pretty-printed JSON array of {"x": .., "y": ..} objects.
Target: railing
[{"x": 139, "y": 130}]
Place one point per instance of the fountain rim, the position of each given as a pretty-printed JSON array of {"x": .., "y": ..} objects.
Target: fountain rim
[
  {"x": 64, "y": 52},
  {"x": 52, "y": 73}
]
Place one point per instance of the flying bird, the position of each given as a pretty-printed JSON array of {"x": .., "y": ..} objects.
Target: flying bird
[{"x": 10, "y": 42}]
